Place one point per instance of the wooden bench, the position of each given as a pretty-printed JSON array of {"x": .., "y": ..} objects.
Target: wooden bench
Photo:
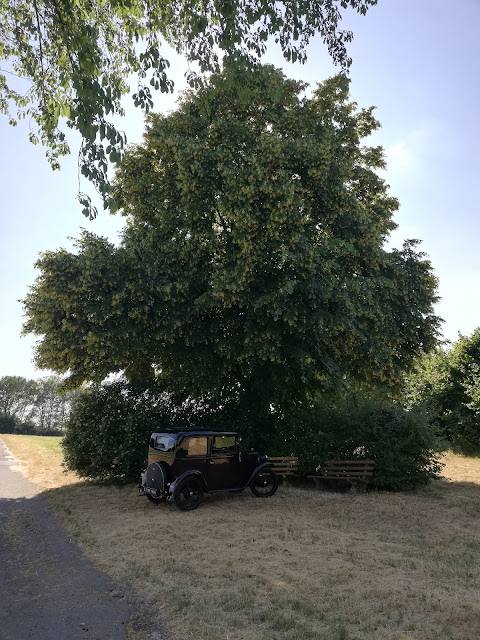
[
  {"x": 354, "y": 471},
  {"x": 286, "y": 466}
]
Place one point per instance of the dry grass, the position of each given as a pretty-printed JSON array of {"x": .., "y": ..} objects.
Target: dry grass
[
  {"x": 40, "y": 459},
  {"x": 460, "y": 469},
  {"x": 303, "y": 565}
]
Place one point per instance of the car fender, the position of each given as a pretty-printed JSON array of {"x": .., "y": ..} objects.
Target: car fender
[
  {"x": 189, "y": 472},
  {"x": 264, "y": 465}
]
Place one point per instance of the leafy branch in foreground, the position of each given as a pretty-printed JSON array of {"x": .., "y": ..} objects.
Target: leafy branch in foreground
[{"x": 69, "y": 60}]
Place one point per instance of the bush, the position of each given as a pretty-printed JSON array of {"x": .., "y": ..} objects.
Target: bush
[
  {"x": 25, "y": 429},
  {"x": 449, "y": 380},
  {"x": 107, "y": 432},
  {"x": 110, "y": 424},
  {"x": 403, "y": 443},
  {"x": 7, "y": 424},
  {"x": 109, "y": 427}
]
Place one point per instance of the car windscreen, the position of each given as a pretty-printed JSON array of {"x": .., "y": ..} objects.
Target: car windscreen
[{"x": 224, "y": 444}]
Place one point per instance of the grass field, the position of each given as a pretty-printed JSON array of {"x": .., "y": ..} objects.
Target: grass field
[{"x": 302, "y": 565}]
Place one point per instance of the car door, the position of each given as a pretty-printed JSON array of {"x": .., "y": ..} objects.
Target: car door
[
  {"x": 192, "y": 454},
  {"x": 223, "y": 471}
]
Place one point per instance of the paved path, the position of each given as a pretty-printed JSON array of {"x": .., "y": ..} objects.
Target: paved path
[{"x": 48, "y": 589}]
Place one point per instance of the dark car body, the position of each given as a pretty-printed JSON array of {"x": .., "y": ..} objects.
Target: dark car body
[{"x": 197, "y": 461}]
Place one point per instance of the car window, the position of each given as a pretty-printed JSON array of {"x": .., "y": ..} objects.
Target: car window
[
  {"x": 224, "y": 444},
  {"x": 164, "y": 443},
  {"x": 195, "y": 446}
]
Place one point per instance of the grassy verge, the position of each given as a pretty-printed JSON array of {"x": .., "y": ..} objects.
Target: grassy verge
[
  {"x": 303, "y": 565},
  {"x": 41, "y": 459}
]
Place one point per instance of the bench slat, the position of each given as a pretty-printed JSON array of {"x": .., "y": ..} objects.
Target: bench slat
[
  {"x": 347, "y": 466},
  {"x": 348, "y": 463},
  {"x": 284, "y": 465},
  {"x": 341, "y": 474},
  {"x": 348, "y": 470},
  {"x": 346, "y": 478}
]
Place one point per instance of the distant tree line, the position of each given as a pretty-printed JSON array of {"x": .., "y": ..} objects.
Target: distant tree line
[{"x": 36, "y": 407}]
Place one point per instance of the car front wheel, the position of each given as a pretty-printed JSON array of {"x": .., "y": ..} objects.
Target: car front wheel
[
  {"x": 264, "y": 483},
  {"x": 188, "y": 493}
]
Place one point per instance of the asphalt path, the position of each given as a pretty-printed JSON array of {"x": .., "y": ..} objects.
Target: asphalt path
[{"x": 48, "y": 588}]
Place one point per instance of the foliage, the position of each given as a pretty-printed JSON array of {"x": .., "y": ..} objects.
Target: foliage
[
  {"x": 74, "y": 58},
  {"x": 402, "y": 442},
  {"x": 52, "y": 405},
  {"x": 252, "y": 271},
  {"x": 449, "y": 381},
  {"x": 29, "y": 429},
  {"x": 33, "y": 406},
  {"x": 7, "y": 424},
  {"x": 110, "y": 424},
  {"x": 16, "y": 397}
]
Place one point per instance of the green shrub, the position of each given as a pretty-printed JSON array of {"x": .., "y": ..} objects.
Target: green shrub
[
  {"x": 449, "y": 380},
  {"x": 25, "y": 429},
  {"x": 109, "y": 427},
  {"x": 403, "y": 443},
  {"x": 7, "y": 424},
  {"x": 110, "y": 424},
  {"x": 106, "y": 435}
]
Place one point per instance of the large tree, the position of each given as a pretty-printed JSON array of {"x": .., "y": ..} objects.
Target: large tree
[
  {"x": 75, "y": 57},
  {"x": 253, "y": 268}
]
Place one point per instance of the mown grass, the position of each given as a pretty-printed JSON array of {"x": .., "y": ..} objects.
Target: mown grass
[{"x": 304, "y": 564}]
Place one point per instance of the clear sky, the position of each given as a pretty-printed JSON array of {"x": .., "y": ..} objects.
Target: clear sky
[{"x": 415, "y": 60}]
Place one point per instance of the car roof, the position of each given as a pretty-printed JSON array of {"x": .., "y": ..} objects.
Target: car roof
[{"x": 194, "y": 432}]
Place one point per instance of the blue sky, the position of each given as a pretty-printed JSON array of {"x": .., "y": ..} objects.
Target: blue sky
[{"x": 415, "y": 60}]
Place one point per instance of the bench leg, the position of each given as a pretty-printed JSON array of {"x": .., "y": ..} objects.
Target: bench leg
[{"x": 358, "y": 486}]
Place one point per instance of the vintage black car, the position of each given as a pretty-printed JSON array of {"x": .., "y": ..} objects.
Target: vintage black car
[{"x": 183, "y": 465}]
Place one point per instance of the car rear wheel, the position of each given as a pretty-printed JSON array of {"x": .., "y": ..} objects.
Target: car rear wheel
[
  {"x": 155, "y": 500},
  {"x": 264, "y": 483},
  {"x": 188, "y": 493}
]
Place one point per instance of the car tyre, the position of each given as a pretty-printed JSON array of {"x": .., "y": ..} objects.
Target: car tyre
[
  {"x": 264, "y": 483},
  {"x": 188, "y": 493}
]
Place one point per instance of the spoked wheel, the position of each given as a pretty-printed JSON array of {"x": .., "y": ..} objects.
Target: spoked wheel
[
  {"x": 264, "y": 483},
  {"x": 188, "y": 493}
]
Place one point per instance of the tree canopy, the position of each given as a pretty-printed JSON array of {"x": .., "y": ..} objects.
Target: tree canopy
[
  {"x": 449, "y": 380},
  {"x": 74, "y": 58},
  {"x": 252, "y": 268}
]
